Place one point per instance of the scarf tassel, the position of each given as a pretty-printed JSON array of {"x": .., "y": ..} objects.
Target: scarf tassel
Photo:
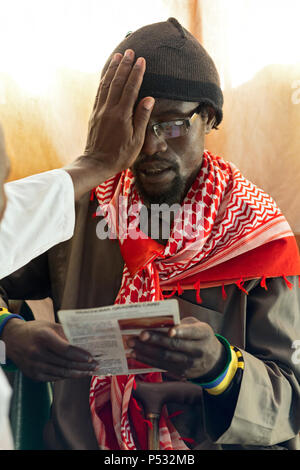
[
  {"x": 240, "y": 284},
  {"x": 168, "y": 296},
  {"x": 224, "y": 295},
  {"x": 197, "y": 288},
  {"x": 263, "y": 283},
  {"x": 177, "y": 289},
  {"x": 288, "y": 283},
  {"x": 93, "y": 193}
]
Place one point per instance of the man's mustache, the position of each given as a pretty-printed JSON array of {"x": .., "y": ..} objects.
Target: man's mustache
[{"x": 166, "y": 162}]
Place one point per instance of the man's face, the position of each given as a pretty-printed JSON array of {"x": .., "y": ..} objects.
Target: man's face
[
  {"x": 166, "y": 168},
  {"x": 4, "y": 171}
]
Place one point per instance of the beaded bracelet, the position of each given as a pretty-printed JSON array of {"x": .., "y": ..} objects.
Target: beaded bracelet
[
  {"x": 4, "y": 318},
  {"x": 234, "y": 360}
]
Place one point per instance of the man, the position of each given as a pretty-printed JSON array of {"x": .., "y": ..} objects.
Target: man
[{"x": 229, "y": 276}]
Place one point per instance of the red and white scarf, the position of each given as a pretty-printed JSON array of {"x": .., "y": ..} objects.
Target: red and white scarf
[{"x": 243, "y": 236}]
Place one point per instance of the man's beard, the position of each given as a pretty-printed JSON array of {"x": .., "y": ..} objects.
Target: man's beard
[{"x": 173, "y": 195}]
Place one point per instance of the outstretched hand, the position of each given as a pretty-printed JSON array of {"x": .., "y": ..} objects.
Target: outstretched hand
[
  {"x": 117, "y": 130},
  {"x": 117, "y": 126},
  {"x": 42, "y": 352}
]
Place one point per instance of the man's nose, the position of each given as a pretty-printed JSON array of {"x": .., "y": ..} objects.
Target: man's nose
[{"x": 153, "y": 144}]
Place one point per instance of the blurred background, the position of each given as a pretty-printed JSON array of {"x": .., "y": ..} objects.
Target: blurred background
[{"x": 52, "y": 53}]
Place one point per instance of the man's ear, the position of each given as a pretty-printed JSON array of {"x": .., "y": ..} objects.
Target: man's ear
[{"x": 211, "y": 119}]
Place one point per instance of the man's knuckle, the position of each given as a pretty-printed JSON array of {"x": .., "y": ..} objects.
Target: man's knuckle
[
  {"x": 33, "y": 352},
  {"x": 105, "y": 85},
  {"x": 130, "y": 87},
  {"x": 117, "y": 81}
]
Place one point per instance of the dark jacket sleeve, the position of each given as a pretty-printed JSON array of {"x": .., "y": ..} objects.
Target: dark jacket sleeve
[
  {"x": 262, "y": 407},
  {"x": 31, "y": 282}
]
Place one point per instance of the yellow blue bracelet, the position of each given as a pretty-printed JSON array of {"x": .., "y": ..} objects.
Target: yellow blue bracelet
[
  {"x": 234, "y": 361},
  {"x": 5, "y": 316}
]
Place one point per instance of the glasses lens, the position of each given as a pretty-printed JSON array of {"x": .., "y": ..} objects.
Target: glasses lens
[{"x": 173, "y": 129}]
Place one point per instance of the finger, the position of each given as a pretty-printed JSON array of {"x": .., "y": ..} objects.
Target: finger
[
  {"x": 141, "y": 117},
  {"x": 58, "y": 361},
  {"x": 163, "y": 357},
  {"x": 61, "y": 347},
  {"x": 185, "y": 345},
  {"x": 192, "y": 330},
  {"x": 48, "y": 372},
  {"x": 132, "y": 86},
  {"x": 105, "y": 82},
  {"x": 120, "y": 79},
  {"x": 178, "y": 369}
]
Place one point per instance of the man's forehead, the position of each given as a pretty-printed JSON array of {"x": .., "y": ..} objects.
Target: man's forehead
[{"x": 165, "y": 106}]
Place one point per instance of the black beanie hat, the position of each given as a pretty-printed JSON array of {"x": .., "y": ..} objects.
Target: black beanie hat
[{"x": 178, "y": 67}]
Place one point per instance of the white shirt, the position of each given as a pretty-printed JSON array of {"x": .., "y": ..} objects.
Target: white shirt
[
  {"x": 6, "y": 441},
  {"x": 40, "y": 213}
]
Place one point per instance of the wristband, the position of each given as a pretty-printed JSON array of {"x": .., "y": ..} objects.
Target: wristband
[
  {"x": 4, "y": 318},
  {"x": 234, "y": 361},
  {"x": 224, "y": 383}
]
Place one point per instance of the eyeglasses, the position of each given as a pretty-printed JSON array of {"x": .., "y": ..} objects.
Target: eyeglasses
[{"x": 173, "y": 129}]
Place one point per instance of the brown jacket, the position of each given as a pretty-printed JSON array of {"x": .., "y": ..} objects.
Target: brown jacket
[{"x": 86, "y": 272}]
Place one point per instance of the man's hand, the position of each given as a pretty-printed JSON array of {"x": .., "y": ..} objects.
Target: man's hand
[
  {"x": 42, "y": 352},
  {"x": 189, "y": 350},
  {"x": 116, "y": 128}
]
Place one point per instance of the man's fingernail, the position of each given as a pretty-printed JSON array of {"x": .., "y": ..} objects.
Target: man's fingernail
[
  {"x": 129, "y": 54},
  {"x": 140, "y": 61},
  {"x": 149, "y": 103},
  {"x": 117, "y": 58},
  {"x": 172, "y": 332}
]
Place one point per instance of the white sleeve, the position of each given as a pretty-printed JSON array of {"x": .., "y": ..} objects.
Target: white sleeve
[
  {"x": 40, "y": 213},
  {"x": 6, "y": 440}
]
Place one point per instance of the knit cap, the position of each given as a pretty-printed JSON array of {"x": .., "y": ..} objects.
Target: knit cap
[{"x": 178, "y": 66}]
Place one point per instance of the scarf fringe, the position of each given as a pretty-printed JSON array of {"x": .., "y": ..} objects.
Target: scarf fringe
[
  {"x": 177, "y": 289},
  {"x": 93, "y": 194},
  {"x": 198, "y": 297},
  {"x": 263, "y": 283},
  {"x": 288, "y": 283},
  {"x": 240, "y": 284},
  {"x": 224, "y": 295}
]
